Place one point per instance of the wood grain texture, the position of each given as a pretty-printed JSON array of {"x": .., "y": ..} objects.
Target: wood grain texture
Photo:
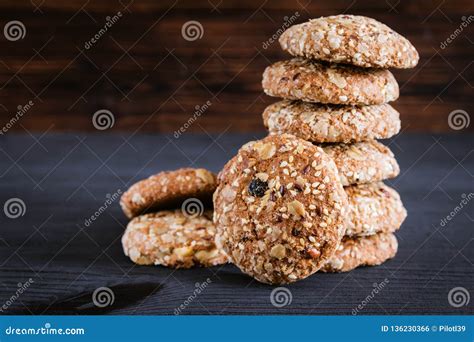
[
  {"x": 151, "y": 78},
  {"x": 64, "y": 179}
]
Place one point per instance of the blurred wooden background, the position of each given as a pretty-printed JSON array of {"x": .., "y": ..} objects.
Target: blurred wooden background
[{"x": 152, "y": 79}]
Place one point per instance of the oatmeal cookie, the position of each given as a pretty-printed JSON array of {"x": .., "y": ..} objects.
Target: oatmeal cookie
[
  {"x": 321, "y": 123},
  {"x": 363, "y": 162},
  {"x": 373, "y": 208},
  {"x": 311, "y": 81},
  {"x": 168, "y": 189},
  {"x": 279, "y": 209},
  {"x": 362, "y": 251},
  {"x": 350, "y": 39},
  {"x": 173, "y": 239}
]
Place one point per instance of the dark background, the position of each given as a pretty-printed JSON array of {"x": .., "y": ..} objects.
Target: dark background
[{"x": 151, "y": 79}]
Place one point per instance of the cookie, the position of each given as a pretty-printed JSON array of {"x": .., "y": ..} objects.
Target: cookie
[
  {"x": 373, "y": 208},
  {"x": 311, "y": 81},
  {"x": 363, "y": 162},
  {"x": 172, "y": 238},
  {"x": 332, "y": 123},
  {"x": 350, "y": 39},
  {"x": 280, "y": 209},
  {"x": 363, "y": 251},
  {"x": 168, "y": 189}
]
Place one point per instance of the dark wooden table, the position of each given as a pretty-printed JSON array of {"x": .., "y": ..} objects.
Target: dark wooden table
[{"x": 64, "y": 178}]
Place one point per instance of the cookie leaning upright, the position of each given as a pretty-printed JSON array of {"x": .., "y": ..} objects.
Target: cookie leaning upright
[
  {"x": 279, "y": 209},
  {"x": 168, "y": 189},
  {"x": 350, "y": 39}
]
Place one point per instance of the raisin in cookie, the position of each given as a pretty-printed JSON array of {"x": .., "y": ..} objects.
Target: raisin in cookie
[
  {"x": 306, "y": 80},
  {"x": 167, "y": 189},
  {"x": 321, "y": 123},
  {"x": 350, "y": 39},
  {"x": 173, "y": 239},
  {"x": 280, "y": 209},
  {"x": 373, "y": 208},
  {"x": 363, "y": 251},
  {"x": 363, "y": 162}
]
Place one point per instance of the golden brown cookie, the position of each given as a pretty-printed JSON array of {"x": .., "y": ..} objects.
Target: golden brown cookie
[
  {"x": 168, "y": 189},
  {"x": 363, "y": 251},
  {"x": 310, "y": 81},
  {"x": 321, "y": 123},
  {"x": 350, "y": 39},
  {"x": 173, "y": 239},
  {"x": 373, "y": 208},
  {"x": 363, "y": 162},
  {"x": 280, "y": 209}
]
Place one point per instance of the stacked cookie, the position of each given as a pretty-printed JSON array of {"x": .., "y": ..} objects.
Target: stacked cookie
[
  {"x": 309, "y": 197},
  {"x": 335, "y": 94},
  {"x": 171, "y": 220}
]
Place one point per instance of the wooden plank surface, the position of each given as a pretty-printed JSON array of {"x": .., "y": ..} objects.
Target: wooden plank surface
[
  {"x": 63, "y": 179},
  {"x": 151, "y": 78}
]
